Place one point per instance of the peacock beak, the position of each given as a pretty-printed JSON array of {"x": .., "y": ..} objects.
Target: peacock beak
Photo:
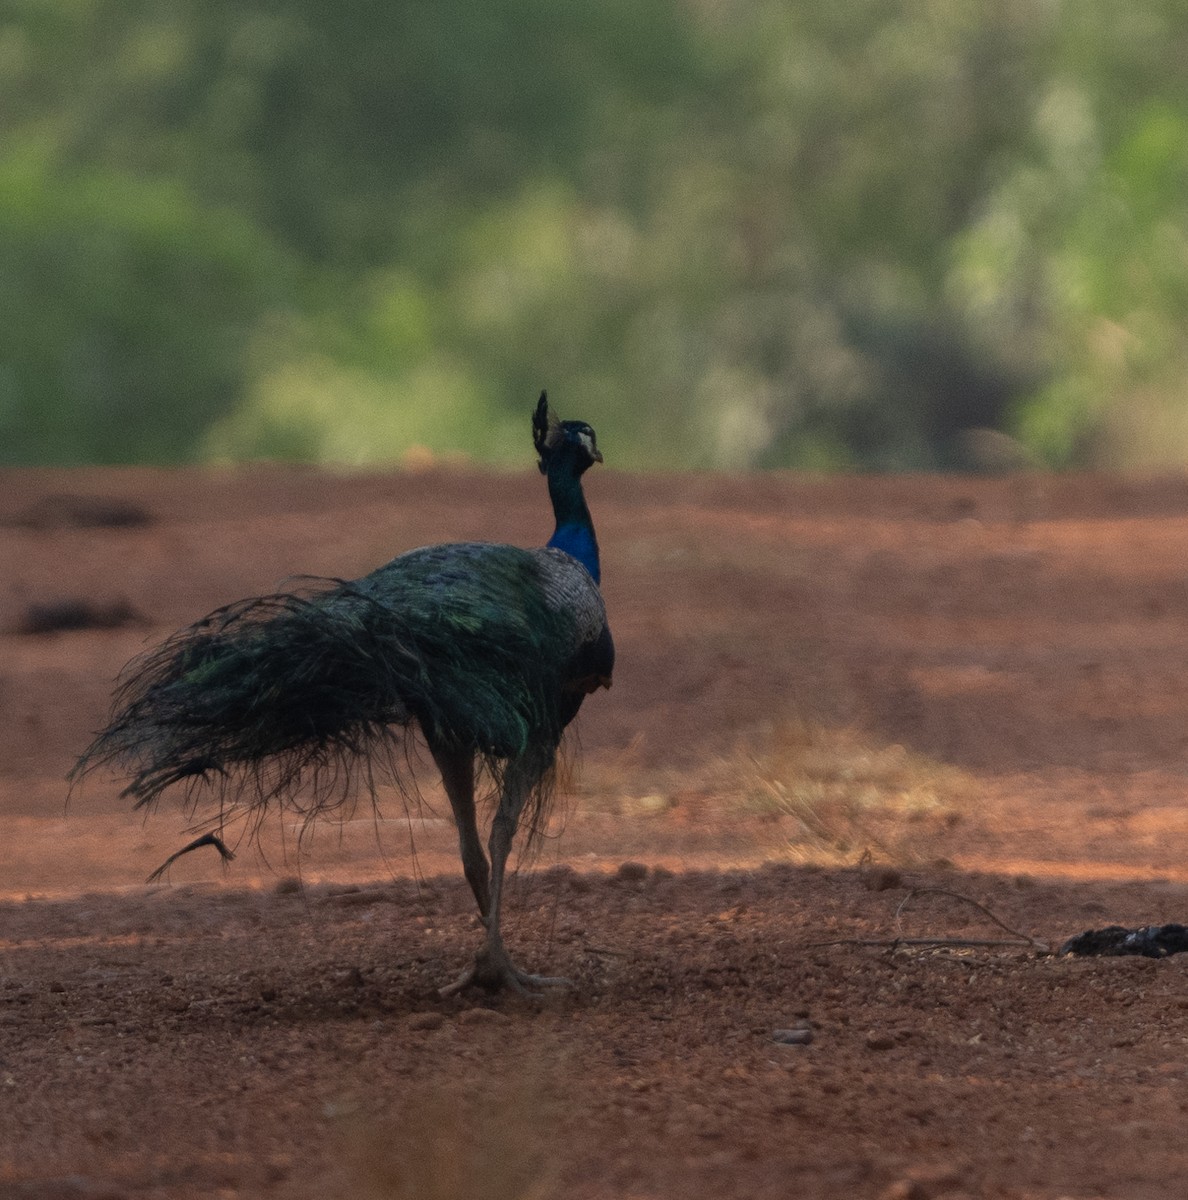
[{"x": 597, "y": 454}]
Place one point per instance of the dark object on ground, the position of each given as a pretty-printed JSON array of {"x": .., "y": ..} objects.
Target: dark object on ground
[
  {"x": 68, "y": 511},
  {"x": 294, "y": 699},
  {"x": 1151, "y": 941},
  {"x": 56, "y": 616},
  {"x": 207, "y": 839}
]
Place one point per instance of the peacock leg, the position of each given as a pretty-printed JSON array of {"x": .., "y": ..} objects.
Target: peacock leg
[
  {"x": 493, "y": 967},
  {"x": 457, "y": 775}
]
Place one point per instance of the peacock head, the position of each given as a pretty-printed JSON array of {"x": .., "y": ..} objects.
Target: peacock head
[{"x": 572, "y": 440}]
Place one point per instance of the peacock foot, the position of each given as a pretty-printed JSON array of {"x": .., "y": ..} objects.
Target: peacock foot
[{"x": 493, "y": 970}]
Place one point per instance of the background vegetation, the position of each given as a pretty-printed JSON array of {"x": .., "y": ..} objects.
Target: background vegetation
[{"x": 731, "y": 233}]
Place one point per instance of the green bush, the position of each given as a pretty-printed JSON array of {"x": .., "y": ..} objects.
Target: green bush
[{"x": 730, "y": 234}]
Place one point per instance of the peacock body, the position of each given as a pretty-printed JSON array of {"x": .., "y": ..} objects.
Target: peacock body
[{"x": 289, "y": 699}]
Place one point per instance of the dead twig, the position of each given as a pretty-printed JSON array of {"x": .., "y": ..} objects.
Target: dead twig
[
  {"x": 207, "y": 839},
  {"x": 1016, "y": 939},
  {"x": 935, "y": 891},
  {"x": 602, "y": 951},
  {"x": 937, "y": 942}
]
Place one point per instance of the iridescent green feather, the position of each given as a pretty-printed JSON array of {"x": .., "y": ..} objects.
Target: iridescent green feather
[{"x": 268, "y": 693}]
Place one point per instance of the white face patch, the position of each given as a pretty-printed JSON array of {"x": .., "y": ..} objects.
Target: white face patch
[{"x": 588, "y": 442}]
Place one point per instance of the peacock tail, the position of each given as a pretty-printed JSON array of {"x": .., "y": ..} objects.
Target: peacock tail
[{"x": 289, "y": 697}]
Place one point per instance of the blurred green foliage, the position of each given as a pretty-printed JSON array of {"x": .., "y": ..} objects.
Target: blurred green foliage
[{"x": 729, "y": 233}]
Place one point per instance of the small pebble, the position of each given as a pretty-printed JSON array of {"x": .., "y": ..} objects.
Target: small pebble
[
  {"x": 802, "y": 1036},
  {"x": 482, "y": 1016},
  {"x": 882, "y": 879},
  {"x": 654, "y": 802},
  {"x": 928, "y": 1183},
  {"x": 356, "y": 898},
  {"x": 425, "y": 1020},
  {"x": 879, "y": 1041},
  {"x": 904, "y": 1189}
]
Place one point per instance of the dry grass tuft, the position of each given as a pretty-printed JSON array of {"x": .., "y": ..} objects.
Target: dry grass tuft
[
  {"x": 837, "y": 793},
  {"x": 814, "y": 793}
]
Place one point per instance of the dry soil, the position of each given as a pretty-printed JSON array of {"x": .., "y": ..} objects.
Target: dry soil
[{"x": 845, "y": 710}]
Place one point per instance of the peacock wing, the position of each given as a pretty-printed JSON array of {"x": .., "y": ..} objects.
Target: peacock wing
[
  {"x": 496, "y": 630},
  {"x": 569, "y": 587}
]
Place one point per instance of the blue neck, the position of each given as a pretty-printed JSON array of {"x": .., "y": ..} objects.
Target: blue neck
[{"x": 575, "y": 530}]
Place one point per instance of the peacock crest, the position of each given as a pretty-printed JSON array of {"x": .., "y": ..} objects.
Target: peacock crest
[{"x": 546, "y": 431}]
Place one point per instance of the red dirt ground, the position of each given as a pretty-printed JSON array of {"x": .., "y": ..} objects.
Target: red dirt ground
[{"x": 981, "y": 683}]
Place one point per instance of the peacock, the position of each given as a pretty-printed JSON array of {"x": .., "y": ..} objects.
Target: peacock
[{"x": 296, "y": 699}]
